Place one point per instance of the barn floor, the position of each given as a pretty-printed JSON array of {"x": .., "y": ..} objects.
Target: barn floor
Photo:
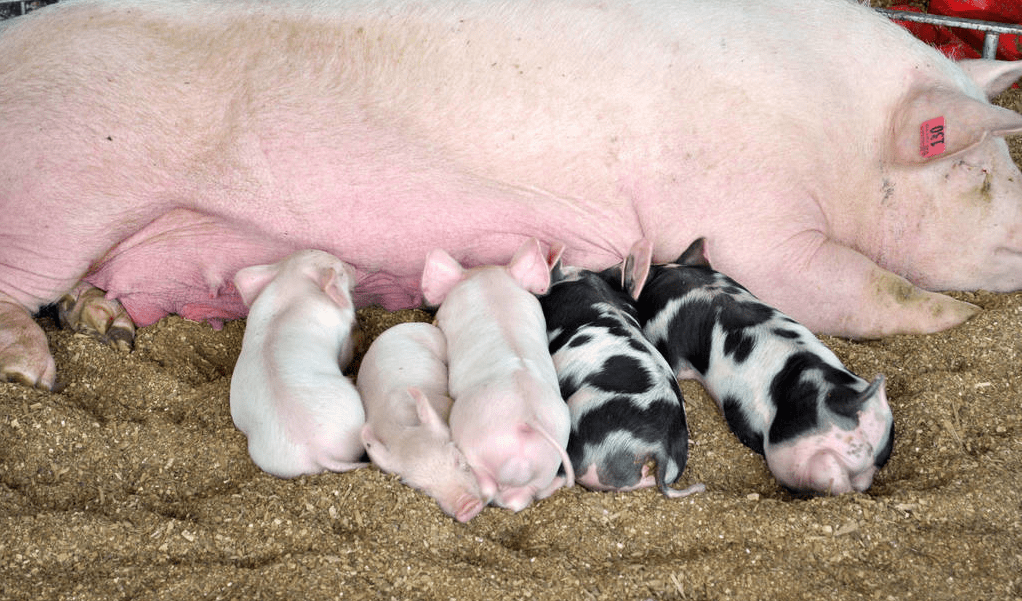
[{"x": 132, "y": 483}]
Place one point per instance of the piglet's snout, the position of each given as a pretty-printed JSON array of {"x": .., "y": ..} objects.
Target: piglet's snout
[
  {"x": 827, "y": 471},
  {"x": 835, "y": 462},
  {"x": 466, "y": 507}
]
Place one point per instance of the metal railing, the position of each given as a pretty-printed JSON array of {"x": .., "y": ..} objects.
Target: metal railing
[
  {"x": 992, "y": 30},
  {"x": 9, "y": 8}
]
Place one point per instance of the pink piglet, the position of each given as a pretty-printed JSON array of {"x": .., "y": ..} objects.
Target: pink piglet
[
  {"x": 403, "y": 383},
  {"x": 508, "y": 416},
  {"x": 288, "y": 394}
]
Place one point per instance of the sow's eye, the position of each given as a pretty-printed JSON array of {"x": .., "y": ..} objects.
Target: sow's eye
[{"x": 975, "y": 172}]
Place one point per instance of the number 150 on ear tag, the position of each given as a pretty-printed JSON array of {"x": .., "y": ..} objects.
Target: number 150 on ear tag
[{"x": 931, "y": 137}]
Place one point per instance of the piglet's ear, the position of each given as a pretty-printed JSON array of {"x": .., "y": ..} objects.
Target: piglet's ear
[
  {"x": 636, "y": 267},
  {"x": 553, "y": 256},
  {"x": 993, "y": 76},
  {"x": 937, "y": 123},
  {"x": 876, "y": 388},
  {"x": 440, "y": 274},
  {"x": 553, "y": 260},
  {"x": 695, "y": 254},
  {"x": 529, "y": 267},
  {"x": 337, "y": 285},
  {"x": 424, "y": 409},
  {"x": 251, "y": 281},
  {"x": 378, "y": 452},
  {"x": 556, "y": 272}
]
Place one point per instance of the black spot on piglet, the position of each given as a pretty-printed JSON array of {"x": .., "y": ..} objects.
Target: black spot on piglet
[
  {"x": 739, "y": 344},
  {"x": 737, "y": 315},
  {"x": 795, "y": 398},
  {"x": 620, "y": 469},
  {"x": 622, "y": 374},
  {"x": 739, "y": 424},
  {"x": 580, "y": 340}
]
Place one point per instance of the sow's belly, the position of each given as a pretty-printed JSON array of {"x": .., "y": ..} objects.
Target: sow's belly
[{"x": 184, "y": 261}]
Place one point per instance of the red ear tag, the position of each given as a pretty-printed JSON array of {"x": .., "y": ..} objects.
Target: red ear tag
[{"x": 931, "y": 137}]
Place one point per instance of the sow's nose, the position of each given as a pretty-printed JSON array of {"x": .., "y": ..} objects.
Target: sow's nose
[{"x": 1002, "y": 268}]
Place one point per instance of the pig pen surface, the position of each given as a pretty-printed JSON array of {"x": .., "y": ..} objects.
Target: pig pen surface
[{"x": 133, "y": 483}]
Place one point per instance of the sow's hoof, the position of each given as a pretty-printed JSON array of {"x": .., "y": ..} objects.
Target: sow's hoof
[
  {"x": 24, "y": 354},
  {"x": 86, "y": 310}
]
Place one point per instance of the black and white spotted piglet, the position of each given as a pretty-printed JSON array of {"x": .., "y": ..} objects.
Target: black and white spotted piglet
[
  {"x": 784, "y": 394},
  {"x": 625, "y": 405}
]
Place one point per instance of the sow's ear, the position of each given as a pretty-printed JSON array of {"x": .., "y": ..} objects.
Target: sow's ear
[
  {"x": 440, "y": 274},
  {"x": 250, "y": 281},
  {"x": 937, "y": 123},
  {"x": 993, "y": 76}
]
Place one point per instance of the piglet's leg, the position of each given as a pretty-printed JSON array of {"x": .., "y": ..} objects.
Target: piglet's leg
[
  {"x": 86, "y": 310},
  {"x": 834, "y": 277},
  {"x": 555, "y": 484},
  {"x": 24, "y": 354},
  {"x": 337, "y": 465},
  {"x": 677, "y": 493}
]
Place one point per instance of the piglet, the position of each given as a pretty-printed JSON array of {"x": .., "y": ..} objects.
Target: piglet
[
  {"x": 403, "y": 383},
  {"x": 784, "y": 394},
  {"x": 288, "y": 395},
  {"x": 625, "y": 404},
  {"x": 508, "y": 416}
]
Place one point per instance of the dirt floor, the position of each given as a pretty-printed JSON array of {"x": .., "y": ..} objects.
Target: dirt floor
[{"x": 132, "y": 483}]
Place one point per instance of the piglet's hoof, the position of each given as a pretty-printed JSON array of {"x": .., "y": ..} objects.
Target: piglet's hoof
[{"x": 86, "y": 310}]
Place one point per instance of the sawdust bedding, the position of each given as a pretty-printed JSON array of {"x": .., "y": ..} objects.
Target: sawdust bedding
[{"x": 132, "y": 483}]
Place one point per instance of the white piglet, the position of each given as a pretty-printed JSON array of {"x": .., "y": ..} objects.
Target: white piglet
[
  {"x": 288, "y": 393},
  {"x": 508, "y": 415},
  {"x": 403, "y": 383}
]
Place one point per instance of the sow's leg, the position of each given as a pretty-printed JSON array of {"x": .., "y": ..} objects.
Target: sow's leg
[
  {"x": 24, "y": 354},
  {"x": 181, "y": 262},
  {"x": 818, "y": 279},
  {"x": 36, "y": 268}
]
